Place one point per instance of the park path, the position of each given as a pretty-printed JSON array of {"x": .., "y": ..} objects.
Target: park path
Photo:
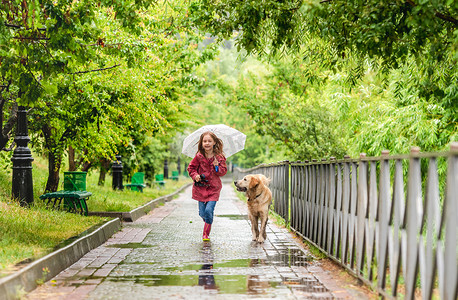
[{"x": 162, "y": 256}]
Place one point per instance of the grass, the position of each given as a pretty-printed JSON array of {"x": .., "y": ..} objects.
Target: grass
[
  {"x": 27, "y": 233},
  {"x": 34, "y": 232}
]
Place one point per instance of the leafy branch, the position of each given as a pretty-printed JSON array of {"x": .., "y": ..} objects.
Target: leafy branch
[{"x": 95, "y": 70}]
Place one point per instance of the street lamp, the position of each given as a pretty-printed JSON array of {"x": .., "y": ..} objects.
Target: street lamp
[{"x": 22, "y": 188}]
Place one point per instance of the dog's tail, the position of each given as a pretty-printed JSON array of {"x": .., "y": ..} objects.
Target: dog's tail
[{"x": 265, "y": 180}]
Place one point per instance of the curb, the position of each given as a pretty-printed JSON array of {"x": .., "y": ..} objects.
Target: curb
[
  {"x": 139, "y": 212},
  {"x": 25, "y": 280}
]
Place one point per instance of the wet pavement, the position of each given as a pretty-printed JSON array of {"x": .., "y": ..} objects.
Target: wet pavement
[{"x": 162, "y": 255}]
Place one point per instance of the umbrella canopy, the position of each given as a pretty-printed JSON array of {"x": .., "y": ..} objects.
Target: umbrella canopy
[{"x": 233, "y": 140}]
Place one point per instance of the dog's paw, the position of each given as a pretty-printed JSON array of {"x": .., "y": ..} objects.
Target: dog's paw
[{"x": 260, "y": 239}]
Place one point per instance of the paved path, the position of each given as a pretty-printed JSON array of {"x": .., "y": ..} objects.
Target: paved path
[{"x": 162, "y": 256}]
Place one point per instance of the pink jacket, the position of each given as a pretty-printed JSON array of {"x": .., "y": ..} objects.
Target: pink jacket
[{"x": 201, "y": 165}]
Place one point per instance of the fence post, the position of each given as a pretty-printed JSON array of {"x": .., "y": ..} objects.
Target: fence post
[
  {"x": 345, "y": 179},
  {"x": 413, "y": 221},
  {"x": 286, "y": 193},
  {"x": 361, "y": 213},
  {"x": 383, "y": 218},
  {"x": 335, "y": 197},
  {"x": 448, "y": 246}
]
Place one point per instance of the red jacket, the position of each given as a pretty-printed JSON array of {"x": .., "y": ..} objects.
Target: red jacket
[{"x": 201, "y": 165}]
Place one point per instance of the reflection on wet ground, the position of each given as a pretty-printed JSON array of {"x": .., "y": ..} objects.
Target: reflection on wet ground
[
  {"x": 265, "y": 270},
  {"x": 260, "y": 274}
]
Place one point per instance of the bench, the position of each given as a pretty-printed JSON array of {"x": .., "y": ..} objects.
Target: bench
[
  {"x": 73, "y": 198},
  {"x": 159, "y": 180},
  {"x": 71, "y": 201},
  {"x": 137, "y": 182},
  {"x": 175, "y": 175}
]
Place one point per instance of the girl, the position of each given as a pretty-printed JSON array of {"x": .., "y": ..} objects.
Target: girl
[{"x": 205, "y": 169}]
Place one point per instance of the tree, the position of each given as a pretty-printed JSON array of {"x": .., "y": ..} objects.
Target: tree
[
  {"x": 41, "y": 39},
  {"x": 97, "y": 73}
]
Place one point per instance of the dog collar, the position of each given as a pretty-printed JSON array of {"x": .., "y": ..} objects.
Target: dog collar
[{"x": 254, "y": 197}]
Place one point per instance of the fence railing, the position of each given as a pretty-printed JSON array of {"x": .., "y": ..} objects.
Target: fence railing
[{"x": 392, "y": 221}]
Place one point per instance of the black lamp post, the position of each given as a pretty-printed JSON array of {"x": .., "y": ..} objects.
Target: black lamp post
[
  {"x": 22, "y": 161},
  {"x": 117, "y": 173},
  {"x": 179, "y": 165},
  {"x": 166, "y": 169}
]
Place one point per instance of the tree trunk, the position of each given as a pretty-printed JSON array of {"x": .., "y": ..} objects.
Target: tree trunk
[
  {"x": 104, "y": 167},
  {"x": 54, "y": 160},
  {"x": 86, "y": 166},
  {"x": 71, "y": 159},
  {"x": 54, "y": 164},
  {"x": 5, "y": 135}
]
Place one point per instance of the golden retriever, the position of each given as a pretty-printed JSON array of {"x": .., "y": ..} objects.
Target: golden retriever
[{"x": 259, "y": 199}]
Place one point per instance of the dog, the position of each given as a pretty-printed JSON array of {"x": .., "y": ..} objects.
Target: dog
[{"x": 259, "y": 198}]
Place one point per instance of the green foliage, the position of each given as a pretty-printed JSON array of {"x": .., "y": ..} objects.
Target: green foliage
[
  {"x": 386, "y": 30},
  {"x": 303, "y": 107},
  {"x": 366, "y": 75},
  {"x": 276, "y": 104}
]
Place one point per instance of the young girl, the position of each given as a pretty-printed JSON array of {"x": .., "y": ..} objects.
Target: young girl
[{"x": 205, "y": 169}]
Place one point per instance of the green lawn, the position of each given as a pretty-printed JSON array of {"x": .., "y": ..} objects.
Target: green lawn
[{"x": 33, "y": 232}]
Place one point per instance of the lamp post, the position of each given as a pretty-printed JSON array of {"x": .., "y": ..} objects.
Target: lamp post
[
  {"x": 22, "y": 188},
  {"x": 117, "y": 173},
  {"x": 166, "y": 169},
  {"x": 179, "y": 165}
]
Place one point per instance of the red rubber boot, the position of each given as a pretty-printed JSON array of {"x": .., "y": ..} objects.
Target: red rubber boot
[{"x": 206, "y": 233}]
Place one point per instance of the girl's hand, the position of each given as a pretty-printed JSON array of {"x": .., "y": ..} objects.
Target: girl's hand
[
  {"x": 197, "y": 178},
  {"x": 215, "y": 161}
]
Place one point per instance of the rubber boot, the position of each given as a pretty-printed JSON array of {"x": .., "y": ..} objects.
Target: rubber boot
[{"x": 206, "y": 233}]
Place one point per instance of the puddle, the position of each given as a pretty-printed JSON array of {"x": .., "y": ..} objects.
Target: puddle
[
  {"x": 310, "y": 285},
  {"x": 223, "y": 284},
  {"x": 234, "y": 217},
  {"x": 290, "y": 257},
  {"x": 130, "y": 246}
]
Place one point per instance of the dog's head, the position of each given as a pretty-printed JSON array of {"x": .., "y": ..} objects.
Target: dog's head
[{"x": 250, "y": 182}]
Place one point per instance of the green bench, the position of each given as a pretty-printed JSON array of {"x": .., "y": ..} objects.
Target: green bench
[
  {"x": 159, "y": 180},
  {"x": 73, "y": 198},
  {"x": 137, "y": 182},
  {"x": 175, "y": 175}
]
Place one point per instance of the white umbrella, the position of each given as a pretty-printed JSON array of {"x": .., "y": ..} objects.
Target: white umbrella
[{"x": 233, "y": 140}]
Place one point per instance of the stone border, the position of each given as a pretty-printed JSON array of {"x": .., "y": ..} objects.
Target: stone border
[
  {"x": 47, "y": 267},
  {"x": 139, "y": 212}
]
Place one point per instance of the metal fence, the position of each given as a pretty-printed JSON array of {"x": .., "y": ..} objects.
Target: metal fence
[{"x": 392, "y": 221}]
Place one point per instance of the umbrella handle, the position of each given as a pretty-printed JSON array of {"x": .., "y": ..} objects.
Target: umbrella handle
[{"x": 216, "y": 168}]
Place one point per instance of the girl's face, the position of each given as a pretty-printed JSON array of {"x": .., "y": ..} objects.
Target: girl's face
[{"x": 208, "y": 143}]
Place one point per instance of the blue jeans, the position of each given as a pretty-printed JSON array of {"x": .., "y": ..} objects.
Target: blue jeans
[{"x": 206, "y": 211}]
